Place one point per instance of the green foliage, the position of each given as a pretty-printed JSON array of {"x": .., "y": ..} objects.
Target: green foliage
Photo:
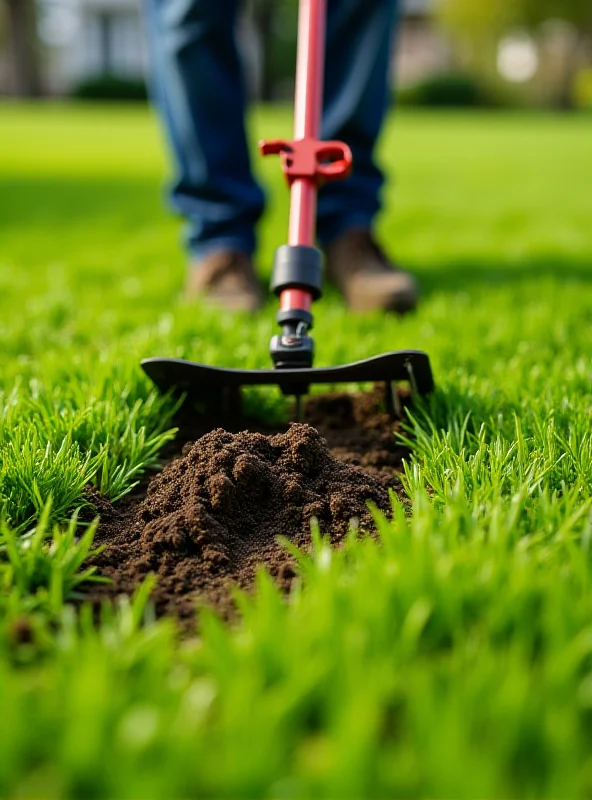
[
  {"x": 480, "y": 20},
  {"x": 78, "y": 429},
  {"x": 46, "y": 562},
  {"x": 110, "y": 87},
  {"x": 478, "y": 27},
  {"x": 582, "y": 90},
  {"x": 437, "y": 662},
  {"x": 575, "y": 11},
  {"x": 276, "y": 25},
  {"x": 33, "y": 471},
  {"x": 52, "y": 444},
  {"x": 451, "y": 656},
  {"x": 493, "y": 17},
  {"x": 453, "y": 90}
]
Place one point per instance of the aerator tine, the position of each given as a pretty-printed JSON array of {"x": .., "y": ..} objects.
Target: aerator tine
[{"x": 297, "y": 275}]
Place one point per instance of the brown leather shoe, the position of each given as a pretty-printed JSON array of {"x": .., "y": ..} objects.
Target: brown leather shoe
[
  {"x": 368, "y": 280},
  {"x": 226, "y": 278}
]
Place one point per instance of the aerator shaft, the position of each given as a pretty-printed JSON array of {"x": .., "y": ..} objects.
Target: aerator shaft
[
  {"x": 297, "y": 280},
  {"x": 307, "y": 164}
]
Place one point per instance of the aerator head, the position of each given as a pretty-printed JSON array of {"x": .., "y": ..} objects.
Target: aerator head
[
  {"x": 296, "y": 280},
  {"x": 307, "y": 163},
  {"x": 218, "y": 389}
]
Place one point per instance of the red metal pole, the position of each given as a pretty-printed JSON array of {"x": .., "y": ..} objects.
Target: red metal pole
[
  {"x": 295, "y": 298},
  {"x": 307, "y": 164},
  {"x": 310, "y": 70}
]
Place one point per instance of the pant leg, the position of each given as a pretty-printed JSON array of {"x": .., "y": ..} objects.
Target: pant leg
[
  {"x": 198, "y": 87},
  {"x": 359, "y": 38}
]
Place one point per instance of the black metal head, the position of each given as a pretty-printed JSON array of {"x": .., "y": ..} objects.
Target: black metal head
[{"x": 218, "y": 388}]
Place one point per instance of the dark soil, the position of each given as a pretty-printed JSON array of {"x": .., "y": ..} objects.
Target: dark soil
[{"x": 213, "y": 515}]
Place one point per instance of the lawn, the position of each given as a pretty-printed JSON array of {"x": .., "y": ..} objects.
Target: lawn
[{"x": 451, "y": 658}]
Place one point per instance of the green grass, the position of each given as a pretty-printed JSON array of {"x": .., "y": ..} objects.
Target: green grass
[{"x": 453, "y": 658}]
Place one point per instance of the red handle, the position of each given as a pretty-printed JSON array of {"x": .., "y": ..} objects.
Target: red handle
[
  {"x": 310, "y": 160},
  {"x": 306, "y": 161}
]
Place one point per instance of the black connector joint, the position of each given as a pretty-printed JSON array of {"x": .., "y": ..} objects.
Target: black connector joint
[
  {"x": 292, "y": 350},
  {"x": 295, "y": 267}
]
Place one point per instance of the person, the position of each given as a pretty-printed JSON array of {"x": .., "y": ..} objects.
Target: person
[{"x": 199, "y": 91}]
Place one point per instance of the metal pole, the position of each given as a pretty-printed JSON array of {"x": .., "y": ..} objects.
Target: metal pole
[{"x": 310, "y": 68}]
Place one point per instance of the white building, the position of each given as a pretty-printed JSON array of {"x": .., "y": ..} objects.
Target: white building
[{"x": 89, "y": 38}]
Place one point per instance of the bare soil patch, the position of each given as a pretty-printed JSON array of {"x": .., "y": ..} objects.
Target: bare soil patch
[{"x": 214, "y": 513}]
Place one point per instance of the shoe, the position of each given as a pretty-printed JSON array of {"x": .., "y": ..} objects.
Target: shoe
[
  {"x": 368, "y": 280},
  {"x": 226, "y": 278}
]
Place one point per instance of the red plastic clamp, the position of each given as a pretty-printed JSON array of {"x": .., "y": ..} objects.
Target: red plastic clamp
[{"x": 310, "y": 159}]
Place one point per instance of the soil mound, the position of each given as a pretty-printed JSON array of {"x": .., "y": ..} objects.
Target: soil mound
[
  {"x": 214, "y": 513},
  {"x": 359, "y": 431}
]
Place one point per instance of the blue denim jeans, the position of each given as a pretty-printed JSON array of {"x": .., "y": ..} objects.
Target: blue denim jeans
[{"x": 199, "y": 90}]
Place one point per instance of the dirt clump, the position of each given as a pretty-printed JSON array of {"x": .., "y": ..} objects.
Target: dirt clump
[
  {"x": 359, "y": 431},
  {"x": 213, "y": 515}
]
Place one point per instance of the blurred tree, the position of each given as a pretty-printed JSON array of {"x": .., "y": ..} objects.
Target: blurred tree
[
  {"x": 578, "y": 14},
  {"x": 263, "y": 14},
  {"x": 275, "y": 22},
  {"x": 480, "y": 24},
  {"x": 23, "y": 46},
  {"x": 494, "y": 17},
  {"x": 487, "y": 18}
]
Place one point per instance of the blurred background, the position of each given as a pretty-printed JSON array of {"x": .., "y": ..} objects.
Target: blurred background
[{"x": 481, "y": 53}]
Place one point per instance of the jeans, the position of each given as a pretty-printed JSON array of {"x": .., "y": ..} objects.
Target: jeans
[{"x": 199, "y": 90}]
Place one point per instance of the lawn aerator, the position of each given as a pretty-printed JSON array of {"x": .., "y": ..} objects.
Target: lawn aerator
[{"x": 307, "y": 163}]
